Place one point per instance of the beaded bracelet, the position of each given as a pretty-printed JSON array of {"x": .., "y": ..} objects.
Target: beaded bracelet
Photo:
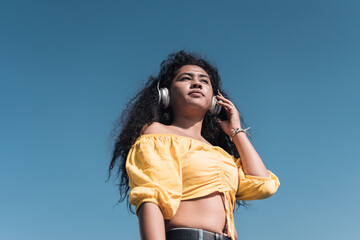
[{"x": 237, "y": 130}]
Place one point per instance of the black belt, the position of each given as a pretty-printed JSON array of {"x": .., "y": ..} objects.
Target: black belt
[{"x": 193, "y": 234}]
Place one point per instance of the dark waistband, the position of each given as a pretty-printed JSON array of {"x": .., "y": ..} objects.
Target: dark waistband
[{"x": 193, "y": 234}]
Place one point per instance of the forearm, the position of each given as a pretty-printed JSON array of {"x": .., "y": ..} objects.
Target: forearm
[
  {"x": 151, "y": 222},
  {"x": 250, "y": 159}
]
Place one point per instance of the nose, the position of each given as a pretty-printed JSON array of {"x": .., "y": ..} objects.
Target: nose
[{"x": 196, "y": 83}]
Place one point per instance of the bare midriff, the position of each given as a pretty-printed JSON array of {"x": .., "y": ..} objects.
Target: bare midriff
[{"x": 206, "y": 213}]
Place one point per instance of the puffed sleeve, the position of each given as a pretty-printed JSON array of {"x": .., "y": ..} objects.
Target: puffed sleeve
[
  {"x": 254, "y": 187},
  {"x": 154, "y": 174}
]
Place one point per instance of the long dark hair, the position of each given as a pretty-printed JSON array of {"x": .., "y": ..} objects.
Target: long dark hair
[{"x": 143, "y": 109}]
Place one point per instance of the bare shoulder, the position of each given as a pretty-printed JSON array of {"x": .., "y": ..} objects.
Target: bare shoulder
[{"x": 155, "y": 128}]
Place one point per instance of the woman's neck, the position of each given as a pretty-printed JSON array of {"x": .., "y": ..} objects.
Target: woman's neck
[{"x": 190, "y": 126}]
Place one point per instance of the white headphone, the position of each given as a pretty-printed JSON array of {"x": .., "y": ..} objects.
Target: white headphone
[{"x": 164, "y": 100}]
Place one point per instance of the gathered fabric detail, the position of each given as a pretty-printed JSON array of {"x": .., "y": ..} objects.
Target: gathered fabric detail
[{"x": 229, "y": 203}]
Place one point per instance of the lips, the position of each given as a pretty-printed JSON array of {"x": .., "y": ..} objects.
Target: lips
[{"x": 196, "y": 92}]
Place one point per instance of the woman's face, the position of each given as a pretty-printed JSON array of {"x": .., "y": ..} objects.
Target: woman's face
[{"x": 191, "y": 88}]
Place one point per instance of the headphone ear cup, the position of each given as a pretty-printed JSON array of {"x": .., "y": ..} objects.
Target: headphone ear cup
[
  {"x": 164, "y": 97},
  {"x": 215, "y": 108}
]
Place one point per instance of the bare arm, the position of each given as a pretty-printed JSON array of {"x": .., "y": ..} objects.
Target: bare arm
[
  {"x": 151, "y": 222},
  {"x": 250, "y": 159}
]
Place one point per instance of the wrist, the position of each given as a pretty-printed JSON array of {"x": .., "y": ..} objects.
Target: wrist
[{"x": 236, "y": 131}]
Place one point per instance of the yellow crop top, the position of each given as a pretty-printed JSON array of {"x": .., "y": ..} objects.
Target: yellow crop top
[{"x": 166, "y": 168}]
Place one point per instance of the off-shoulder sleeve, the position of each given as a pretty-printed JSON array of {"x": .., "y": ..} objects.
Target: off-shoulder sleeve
[
  {"x": 154, "y": 174},
  {"x": 254, "y": 187}
]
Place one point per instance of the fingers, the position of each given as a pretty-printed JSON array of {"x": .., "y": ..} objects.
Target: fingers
[
  {"x": 226, "y": 103},
  {"x": 222, "y": 98},
  {"x": 231, "y": 112}
]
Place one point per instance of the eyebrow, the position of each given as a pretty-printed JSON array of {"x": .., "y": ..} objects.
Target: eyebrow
[{"x": 192, "y": 75}]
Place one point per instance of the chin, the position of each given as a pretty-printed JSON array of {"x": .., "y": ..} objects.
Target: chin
[{"x": 198, "y": 108}]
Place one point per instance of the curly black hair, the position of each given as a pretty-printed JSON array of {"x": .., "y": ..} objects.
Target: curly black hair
[{"x": 143, "y": 109}]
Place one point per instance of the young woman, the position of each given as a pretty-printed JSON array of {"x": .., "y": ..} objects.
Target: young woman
[{"x": 183, "y": 156}]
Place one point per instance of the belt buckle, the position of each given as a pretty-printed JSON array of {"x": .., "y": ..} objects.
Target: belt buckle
[{"x": 217, "y": 236}]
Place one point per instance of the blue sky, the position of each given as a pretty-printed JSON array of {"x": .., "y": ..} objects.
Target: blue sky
[{"x": 67, "y": 68}]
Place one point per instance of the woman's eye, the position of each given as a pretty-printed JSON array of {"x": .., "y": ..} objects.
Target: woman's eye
[
  {"x": 185, "y": 78},
  {"x": 205, "y": 81}
]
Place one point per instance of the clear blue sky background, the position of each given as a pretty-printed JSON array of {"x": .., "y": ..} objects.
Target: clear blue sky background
[{"x": 67, "y": 68}]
